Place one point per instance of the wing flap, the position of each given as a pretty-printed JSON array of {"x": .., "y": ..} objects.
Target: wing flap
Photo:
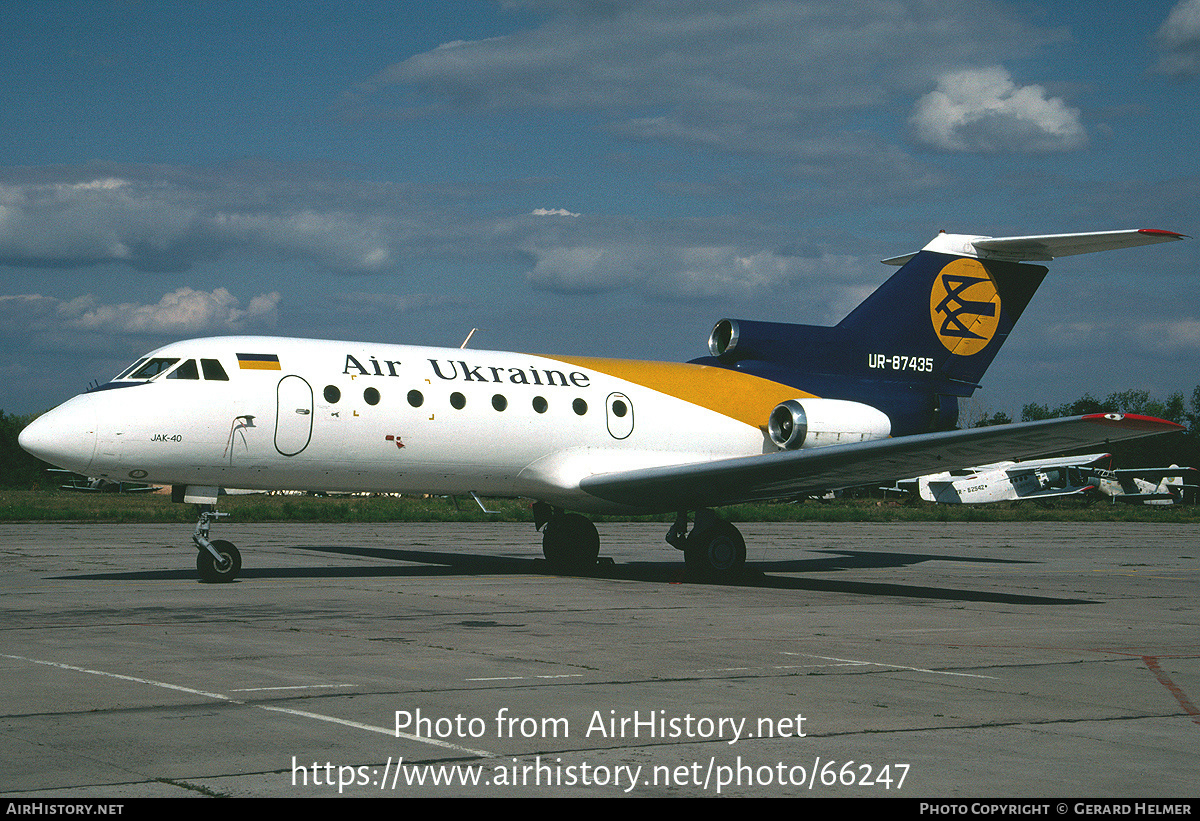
[{"x": 800, "y": 472}]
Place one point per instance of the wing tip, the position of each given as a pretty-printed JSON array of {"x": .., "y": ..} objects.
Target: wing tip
[
  {"x": 1134, "y": 421},
  {"x": 1166, "y": 235}
]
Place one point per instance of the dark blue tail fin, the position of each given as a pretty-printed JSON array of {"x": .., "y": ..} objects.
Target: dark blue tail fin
[
  {"x": 940, "y": 320},
  {"x": 925, "y": 337},
  {"x": 934, "y": 326}
]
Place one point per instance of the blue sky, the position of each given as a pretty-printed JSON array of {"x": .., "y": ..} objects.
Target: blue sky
[{"x": 605, "y": 178}]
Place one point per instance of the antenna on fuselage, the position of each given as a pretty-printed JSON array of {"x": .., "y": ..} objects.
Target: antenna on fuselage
[{"x": 468, "y": 339}]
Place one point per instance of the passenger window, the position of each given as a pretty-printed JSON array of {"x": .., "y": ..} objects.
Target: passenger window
[
  {"x": 212, "y": 370},
  {"x": 499, "y": 402},
  {"x": 332, "y": 394},
  {"x": 579, "y": 406},
  {"x": 415, "y": 398},
  {"x": 187, "y": 370},
  {"x": 371, "y": 395},
  {"x": 540, "y": 404},
  {"x": 458, "y": 401}
]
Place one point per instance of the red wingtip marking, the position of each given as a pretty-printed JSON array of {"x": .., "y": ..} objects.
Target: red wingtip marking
[
  {"x": 1133, "y": 420},
  {"x": 1160, "y": 232}
]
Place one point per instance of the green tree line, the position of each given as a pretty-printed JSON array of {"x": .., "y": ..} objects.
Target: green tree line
[
  {"x": 17, "y": 468},
  {"x": 1157, "y": 451}
]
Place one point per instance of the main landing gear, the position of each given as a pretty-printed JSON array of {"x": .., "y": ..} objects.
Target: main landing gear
[
  {"x": 714, "y": 550},
  {"x": 570, "y": 542},
  {"x": 218, "y": 560}
]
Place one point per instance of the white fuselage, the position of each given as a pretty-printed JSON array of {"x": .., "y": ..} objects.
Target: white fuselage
[
  {"x": 988, "y": 486},
  {"x": 342, "y": 416}
]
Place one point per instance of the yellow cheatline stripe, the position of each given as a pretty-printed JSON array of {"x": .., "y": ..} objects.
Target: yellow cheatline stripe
[{"x": 748, "y": 399}]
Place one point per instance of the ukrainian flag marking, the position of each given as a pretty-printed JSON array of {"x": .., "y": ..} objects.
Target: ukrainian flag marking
[{"x": 258, "y": 362}]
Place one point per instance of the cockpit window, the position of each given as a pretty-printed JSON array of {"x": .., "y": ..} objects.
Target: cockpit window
[
  {"x": 149, "y": 368},
  {"x": 153, "y": 368},
  {"x": 213, "y": 370},
  {"x": 187, "y": 370},
  {"x": 125, "y": 373}
]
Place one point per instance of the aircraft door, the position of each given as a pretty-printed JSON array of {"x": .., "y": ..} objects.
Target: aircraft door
[
  {"x": 619, "y": 411},
  {"x": 293, "y": 415}
]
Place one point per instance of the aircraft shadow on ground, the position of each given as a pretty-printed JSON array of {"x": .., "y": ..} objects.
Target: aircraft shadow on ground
[{"x": 432, "y": 563}]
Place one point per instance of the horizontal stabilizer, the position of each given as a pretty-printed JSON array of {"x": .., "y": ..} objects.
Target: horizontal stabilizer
[
  {"x": 1143, "y": 498},
  {"x": 1040, "y": 248}
]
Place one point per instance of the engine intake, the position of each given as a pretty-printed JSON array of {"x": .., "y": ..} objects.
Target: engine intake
[
  {"x": 814, "y": 423},
  {"x": 724, "y": 337},
  {"x": 735, "y": 340}
]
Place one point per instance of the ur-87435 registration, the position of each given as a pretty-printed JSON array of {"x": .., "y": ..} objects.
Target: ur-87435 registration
[{"x": 899, "y": 362}]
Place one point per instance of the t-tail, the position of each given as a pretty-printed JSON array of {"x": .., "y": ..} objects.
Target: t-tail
[{"x": 926, "y": 336}]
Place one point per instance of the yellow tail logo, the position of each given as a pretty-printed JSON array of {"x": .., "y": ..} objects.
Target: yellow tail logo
[{"x": 964, "y": 307}]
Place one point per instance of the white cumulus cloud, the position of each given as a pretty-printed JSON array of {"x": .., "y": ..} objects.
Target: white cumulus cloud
[
  {"x": 171, "y": 219},
  {"x": 683, "y": 271},
  {"x": 1179, "y": 39},
  {"x": 183, "y": 311},
  {"x": 760, "y": 78},
  {"x": 983, "y": 110}
]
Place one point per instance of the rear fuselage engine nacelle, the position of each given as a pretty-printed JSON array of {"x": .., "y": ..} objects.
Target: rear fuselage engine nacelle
[{"x": 814, "y": 423}]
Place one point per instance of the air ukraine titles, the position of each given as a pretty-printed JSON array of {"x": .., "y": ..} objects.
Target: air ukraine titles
[{"x": 452, "y": 369}]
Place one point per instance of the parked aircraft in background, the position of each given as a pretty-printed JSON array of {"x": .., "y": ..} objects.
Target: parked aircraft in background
[
  {"x": 776, "y": 411},
  {"x": 1086, "y": 476},
  {"x": 95, "y": 484},
  {"x": 1151, "y": 486}
]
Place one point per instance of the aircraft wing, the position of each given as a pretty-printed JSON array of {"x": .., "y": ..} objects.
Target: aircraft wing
[
  {"x": 1083, "y": 461},
  {"x": 1154, "y": 474},
  {"x": 800, "y": 472}
]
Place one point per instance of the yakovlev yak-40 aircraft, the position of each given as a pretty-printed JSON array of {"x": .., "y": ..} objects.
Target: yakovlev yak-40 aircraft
[{"x": 777, "y": 411}]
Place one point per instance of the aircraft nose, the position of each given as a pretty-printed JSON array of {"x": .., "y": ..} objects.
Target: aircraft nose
[{"x": 65, "y": 437}]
